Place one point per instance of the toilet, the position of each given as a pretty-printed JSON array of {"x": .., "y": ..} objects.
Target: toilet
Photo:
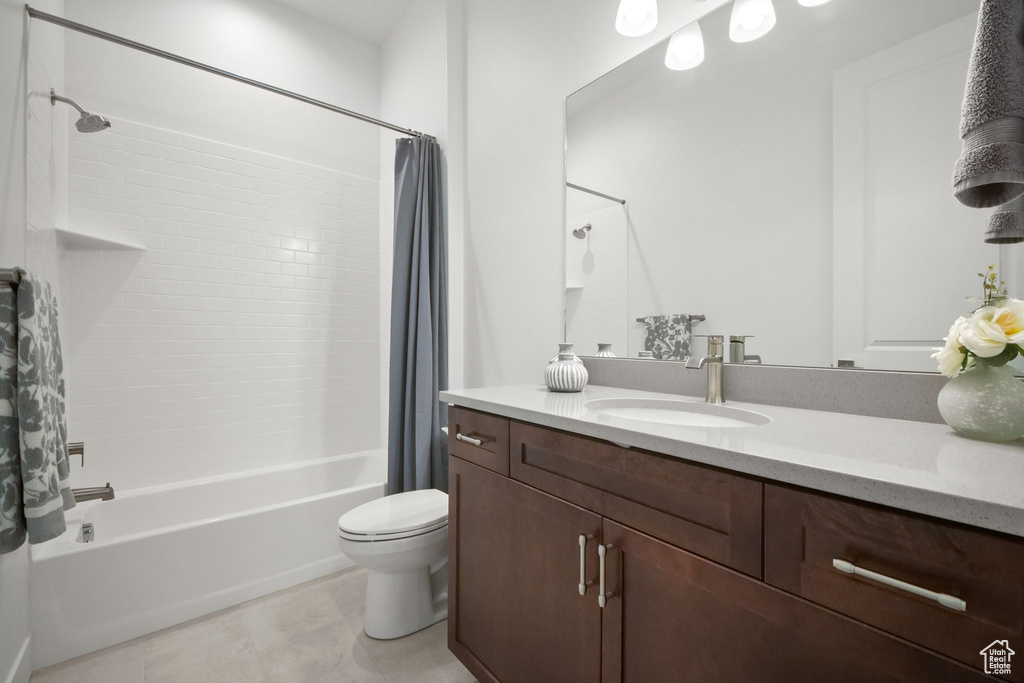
[{"x": 402, "y": 540}]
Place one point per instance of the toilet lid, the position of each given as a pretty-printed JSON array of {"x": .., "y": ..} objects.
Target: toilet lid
[{"x": 398, "y": 514}]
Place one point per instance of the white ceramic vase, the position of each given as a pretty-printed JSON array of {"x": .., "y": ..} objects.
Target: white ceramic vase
[
  {"x": 567, "y": 374},
  {"x": 565, "y": 348},
  {"x": 985, "y": 403},
  {"x": 605, "y": 351}
]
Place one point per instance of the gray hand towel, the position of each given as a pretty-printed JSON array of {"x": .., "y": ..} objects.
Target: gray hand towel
[
  {"x": 668, "y": 337},
  {"x": 1006, "y": 226},
  {"x": 990, "y": 170},
  {"x": 44, "y": 488}
]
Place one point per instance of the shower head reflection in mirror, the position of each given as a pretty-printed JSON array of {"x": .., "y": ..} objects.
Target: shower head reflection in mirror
[{"x": 581, "y": 233}]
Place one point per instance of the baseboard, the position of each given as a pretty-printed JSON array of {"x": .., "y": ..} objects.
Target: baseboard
[{"x": 21, "y": 668}]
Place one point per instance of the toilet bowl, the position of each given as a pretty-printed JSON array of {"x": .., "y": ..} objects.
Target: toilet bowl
[{"x": 402, "y": 540}]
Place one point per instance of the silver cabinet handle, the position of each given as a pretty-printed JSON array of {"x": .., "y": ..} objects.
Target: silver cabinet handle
[
  {"x": 603, "y": 595},
  {"x": 468, "y": 439},
  {"x": 583, "y": 564},
  {"x": 944, "y": 599}
]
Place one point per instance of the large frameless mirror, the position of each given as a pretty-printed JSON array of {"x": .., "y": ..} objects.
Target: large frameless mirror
[{"x": 792, "y": 191}]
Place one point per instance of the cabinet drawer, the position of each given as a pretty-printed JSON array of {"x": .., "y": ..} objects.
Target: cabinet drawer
[
  {"x": 706, "y": 511},
  {"x": 466, "y": 427},
  {"x": 805, "y": 533}
]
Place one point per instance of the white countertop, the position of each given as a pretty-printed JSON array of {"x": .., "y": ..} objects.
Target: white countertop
[{"x": 916, "y": 466}]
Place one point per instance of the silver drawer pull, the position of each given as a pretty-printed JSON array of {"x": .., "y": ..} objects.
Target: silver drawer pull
[
  {"x": 944, "y": 599},
  {"x": 468, "y": 439},
  {"x": 583, "y": 564},
  {"x": 602, "y": 596}
]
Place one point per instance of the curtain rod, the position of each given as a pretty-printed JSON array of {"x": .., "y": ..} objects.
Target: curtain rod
[
  {"x": 595, "y": 192},
  {"x": 110, "y": 37}
]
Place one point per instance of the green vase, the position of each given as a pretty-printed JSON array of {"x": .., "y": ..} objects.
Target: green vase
[{"x": 985, "y": 403}]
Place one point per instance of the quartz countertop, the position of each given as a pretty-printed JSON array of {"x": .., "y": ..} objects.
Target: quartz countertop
[{"x": 916, "y": 466}]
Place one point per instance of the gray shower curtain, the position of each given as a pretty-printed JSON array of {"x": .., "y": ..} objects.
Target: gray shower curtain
[{"x": 417, "y": 449}]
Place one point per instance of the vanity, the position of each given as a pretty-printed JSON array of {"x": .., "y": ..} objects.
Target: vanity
[
  {"x": 596, "y": 537},
  {"x": 788, "y": 199}
]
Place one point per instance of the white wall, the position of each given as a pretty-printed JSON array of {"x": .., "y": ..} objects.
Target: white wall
[
  {"x": 260, "y": 39},
  {"x": 47, "y": 61},
  {"x": 422, "y": 80},
  {"x": 523, "y": 59}
]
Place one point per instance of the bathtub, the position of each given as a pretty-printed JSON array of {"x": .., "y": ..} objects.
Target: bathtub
[{"x": 167, "y": 554}]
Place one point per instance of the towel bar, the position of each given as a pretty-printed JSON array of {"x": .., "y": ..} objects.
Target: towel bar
[
  {"x": 10, "y": 275},
  {"x": 693, "y": 317}
]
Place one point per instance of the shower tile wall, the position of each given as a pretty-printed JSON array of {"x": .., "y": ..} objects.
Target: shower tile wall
[
  {"x": 248, "y": 331},
  {"x": 46, "y": 154},
  {"x": 387, "y": 260},
  {"x": 596, "y": 268}
]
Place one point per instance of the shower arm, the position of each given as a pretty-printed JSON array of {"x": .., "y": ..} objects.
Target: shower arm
[{"x": 55, "y": 98}]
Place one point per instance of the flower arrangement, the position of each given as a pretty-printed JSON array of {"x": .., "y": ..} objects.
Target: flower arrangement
[{"x": 993, "y": 334}]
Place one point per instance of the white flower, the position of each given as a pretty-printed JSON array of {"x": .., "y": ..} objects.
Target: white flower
[
  {"x": 1010, "y": 318},
  {"x": 982, "y": 335},
  {"x": 950, "y": 357}
]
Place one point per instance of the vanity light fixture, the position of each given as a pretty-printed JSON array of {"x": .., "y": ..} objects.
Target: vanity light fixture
[
  {"x": 636, "y": 17},
  {"x": 685, "y": 49},
  {"x": 751, "y": 19},
  {"x": 812, "y": 3}
]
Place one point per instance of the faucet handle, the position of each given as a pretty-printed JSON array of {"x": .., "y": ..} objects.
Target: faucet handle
[
  {"x": 716, "y": 343},
  {"x": 740, "y": 337}
]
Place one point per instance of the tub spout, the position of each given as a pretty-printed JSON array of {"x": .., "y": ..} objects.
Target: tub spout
[{"x": 94, "y": 493}]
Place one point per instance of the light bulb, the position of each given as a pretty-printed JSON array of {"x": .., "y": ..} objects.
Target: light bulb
[
  {"x": 636, "y": 17},
  {"x": 686, "y": 49},
  {"x": 751, "y": 19},
  {"x": 812, "y": 3}
]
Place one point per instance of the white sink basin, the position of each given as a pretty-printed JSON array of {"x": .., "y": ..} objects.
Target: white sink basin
[{"x": 672, "y": 412}]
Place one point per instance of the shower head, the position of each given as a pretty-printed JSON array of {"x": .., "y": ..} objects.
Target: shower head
[
  {"x": 87, "y": 122},
  {"x": 91, "y": 123},
  {"x": 581, "y": 233}
]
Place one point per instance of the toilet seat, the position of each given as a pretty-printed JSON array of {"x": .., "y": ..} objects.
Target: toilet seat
[{"x": 402, "y": 515}]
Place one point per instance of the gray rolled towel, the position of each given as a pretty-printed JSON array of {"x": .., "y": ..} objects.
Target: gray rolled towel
[
  {"x": 990, "y": 171},
  {"x": 1006, "y": 226}
]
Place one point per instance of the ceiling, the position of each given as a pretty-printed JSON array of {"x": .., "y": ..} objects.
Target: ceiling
[{"x": 370, "y": 20}]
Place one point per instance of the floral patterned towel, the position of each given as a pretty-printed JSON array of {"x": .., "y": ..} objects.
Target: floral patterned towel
[
  {"x": 668, "y": 337},
  {"x": 39, "y": 453}
]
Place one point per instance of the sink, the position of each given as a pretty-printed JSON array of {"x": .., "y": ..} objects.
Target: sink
[{"x": 674, "y": 413}]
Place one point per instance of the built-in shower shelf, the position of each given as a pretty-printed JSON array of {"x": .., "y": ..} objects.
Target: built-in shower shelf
[{"x": 78, "y": 239}]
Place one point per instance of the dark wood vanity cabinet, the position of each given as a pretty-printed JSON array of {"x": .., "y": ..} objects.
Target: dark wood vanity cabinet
[
  {"x": 515, "y": 612},
  {"x": 683, "y": 601}
]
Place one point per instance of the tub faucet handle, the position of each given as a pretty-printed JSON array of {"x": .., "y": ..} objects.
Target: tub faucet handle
[{"x": 77, "y": 448}]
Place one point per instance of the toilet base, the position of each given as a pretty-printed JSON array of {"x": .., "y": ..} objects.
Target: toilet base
[{"x": 400, "y": 603}]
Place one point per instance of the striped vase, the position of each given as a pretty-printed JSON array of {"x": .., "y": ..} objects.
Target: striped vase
[{"x": 567, "y": 374}]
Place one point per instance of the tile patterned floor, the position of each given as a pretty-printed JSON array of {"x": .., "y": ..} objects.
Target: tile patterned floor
[{"x": 310, "y": 633}]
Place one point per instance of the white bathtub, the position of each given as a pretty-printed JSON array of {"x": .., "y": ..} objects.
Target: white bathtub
[{"x": 167, "y": 554}]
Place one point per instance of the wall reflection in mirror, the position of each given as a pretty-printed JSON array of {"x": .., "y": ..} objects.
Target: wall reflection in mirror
[{"x": 794, "y": 189}]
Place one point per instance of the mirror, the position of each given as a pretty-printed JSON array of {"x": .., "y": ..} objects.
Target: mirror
[{"x": 795, "y": 188}]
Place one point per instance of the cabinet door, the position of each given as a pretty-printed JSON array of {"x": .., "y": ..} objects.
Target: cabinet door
[
  {"x": 673, "y": 616},
  {"x": 515, "y": 609}
]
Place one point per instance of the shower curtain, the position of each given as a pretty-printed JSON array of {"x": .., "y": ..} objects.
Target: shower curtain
[{"x": 417, "y": 449}]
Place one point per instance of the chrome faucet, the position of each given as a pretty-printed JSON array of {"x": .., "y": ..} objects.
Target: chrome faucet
[
  {"x": 713, "y": 362},
  {"x": 94, "y": 493},
  {"x": 738, "y": 350}
]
